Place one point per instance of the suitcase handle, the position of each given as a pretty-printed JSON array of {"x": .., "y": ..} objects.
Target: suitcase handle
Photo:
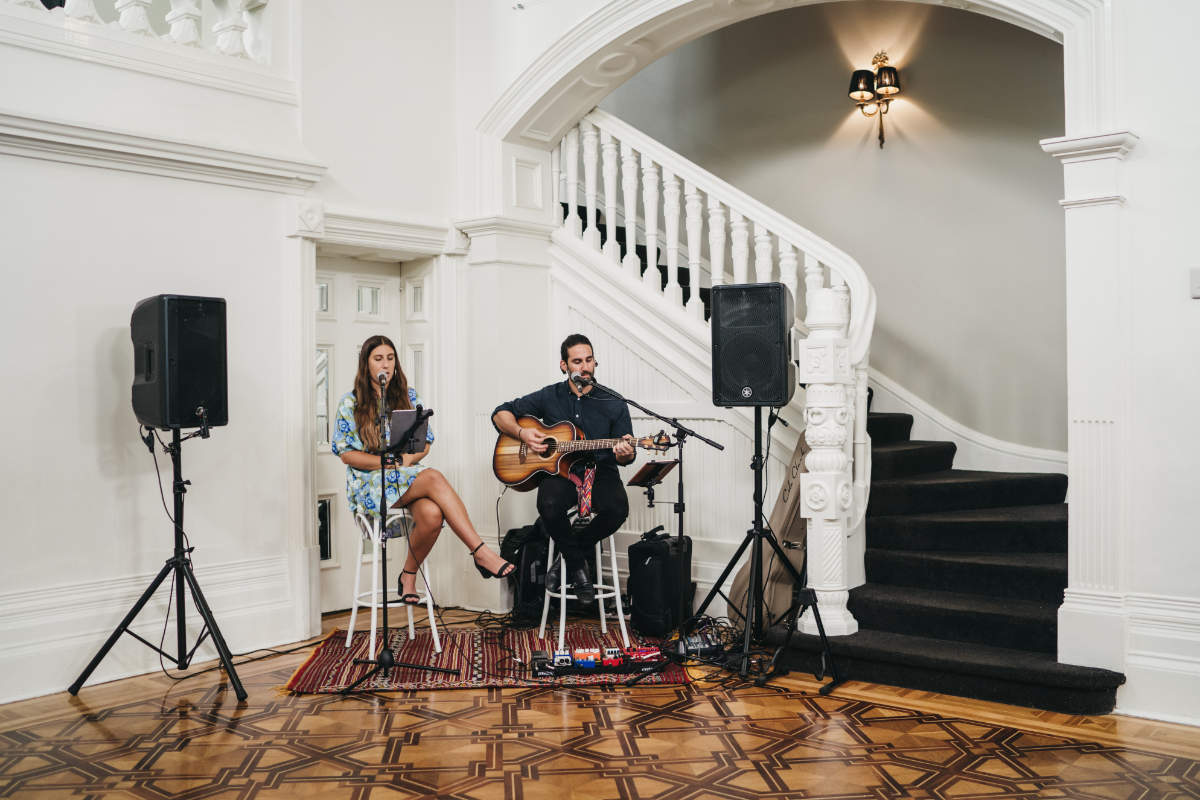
[{"x": 649, "y": 535}]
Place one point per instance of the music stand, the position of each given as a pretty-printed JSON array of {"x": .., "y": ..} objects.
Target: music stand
[
  {"x": 407, "y": 442},
  {"x": 650, "y": 475}
]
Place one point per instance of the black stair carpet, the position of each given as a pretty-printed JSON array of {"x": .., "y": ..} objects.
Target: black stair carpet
[{"x": 965, "y": 572}]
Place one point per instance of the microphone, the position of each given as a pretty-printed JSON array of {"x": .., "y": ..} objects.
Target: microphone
[
  {"x": 578, "y": 379},
  {"x": 381, "y": 377}
]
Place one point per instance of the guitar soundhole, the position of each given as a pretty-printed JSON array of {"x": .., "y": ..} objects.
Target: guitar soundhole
[{"x": 551, "y": 446}]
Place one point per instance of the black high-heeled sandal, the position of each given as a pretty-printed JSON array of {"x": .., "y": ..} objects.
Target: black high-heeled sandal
[
  {"x": 506, "y": 568},
  {"x": 407, "y": 598}
]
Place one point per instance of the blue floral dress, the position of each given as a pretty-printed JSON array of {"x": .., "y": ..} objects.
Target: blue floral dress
[{"x": 362, "y": 486}]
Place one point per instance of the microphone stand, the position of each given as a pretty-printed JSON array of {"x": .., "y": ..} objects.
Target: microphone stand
[
  {"x": 386, "y": 661},
  {"x": 681, "y": 433}
]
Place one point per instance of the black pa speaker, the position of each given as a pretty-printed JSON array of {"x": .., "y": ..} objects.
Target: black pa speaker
[
  {"x": 751, "y": 345},
  {"x": 179, "y": 361}
]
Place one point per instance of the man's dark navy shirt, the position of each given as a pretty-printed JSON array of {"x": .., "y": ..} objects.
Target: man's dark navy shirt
[{"x": 595, "y": 413}]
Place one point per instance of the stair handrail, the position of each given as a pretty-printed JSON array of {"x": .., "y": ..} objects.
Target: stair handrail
[{"x": 862, "y": 293}]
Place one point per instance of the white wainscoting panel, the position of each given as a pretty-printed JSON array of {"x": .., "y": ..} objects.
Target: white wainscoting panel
[{"x": 60, "y": 628}]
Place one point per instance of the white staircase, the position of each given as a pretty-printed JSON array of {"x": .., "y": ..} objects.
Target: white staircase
[{"x": 653, "y": 341}]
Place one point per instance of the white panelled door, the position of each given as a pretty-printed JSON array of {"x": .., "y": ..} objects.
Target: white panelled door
[{"x": 354, "y": 300}]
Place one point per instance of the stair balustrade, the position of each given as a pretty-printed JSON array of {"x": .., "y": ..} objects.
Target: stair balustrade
[
  {"x": 832, "y": 343},
  {"x": 237, "y": 25}
]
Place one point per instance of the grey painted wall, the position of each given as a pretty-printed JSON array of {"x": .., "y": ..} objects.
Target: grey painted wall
[{"x": 956, "y": 220}]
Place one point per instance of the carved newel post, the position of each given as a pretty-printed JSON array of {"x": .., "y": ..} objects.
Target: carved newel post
[{"x": 826, "y": 489}]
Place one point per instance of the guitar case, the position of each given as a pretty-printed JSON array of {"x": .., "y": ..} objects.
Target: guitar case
[{"x": 661, "y": 591}]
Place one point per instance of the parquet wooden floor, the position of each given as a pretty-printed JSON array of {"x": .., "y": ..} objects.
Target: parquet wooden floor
[{"x": 147, "y": 737}]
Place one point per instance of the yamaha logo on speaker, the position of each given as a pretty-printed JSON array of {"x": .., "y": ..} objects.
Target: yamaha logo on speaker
[{"x": 747, "y": 392}]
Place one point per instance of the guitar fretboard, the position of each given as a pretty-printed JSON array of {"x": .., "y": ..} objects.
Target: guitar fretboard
[{"x": 580, "y": 445}]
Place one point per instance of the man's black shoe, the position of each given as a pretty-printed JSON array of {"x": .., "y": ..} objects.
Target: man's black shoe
[
  {"x": 554, "y": 575},
  {"x": 581, "y": 586}
]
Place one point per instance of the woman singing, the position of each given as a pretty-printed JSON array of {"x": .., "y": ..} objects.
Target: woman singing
[{"x": 424, "y": 491}]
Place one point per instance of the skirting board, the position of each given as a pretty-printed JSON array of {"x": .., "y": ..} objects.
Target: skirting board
[
  {"x": 49, "y": 635},
  {"x": 1162, "y": 661},
  {"x": 975, "y": 450}
]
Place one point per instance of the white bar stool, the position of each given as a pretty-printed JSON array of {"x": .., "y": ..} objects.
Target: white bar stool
[
  {"x": 374, "y": 599},
  {"x": 604, "y": 591}
]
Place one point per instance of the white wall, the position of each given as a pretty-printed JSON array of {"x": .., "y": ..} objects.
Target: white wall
[
  {"x": 956, "y": 220},
  {"x": 84, "y": 527},
  {"x": 1163, "y": 549},
  {"x": 377, "y": 83}
]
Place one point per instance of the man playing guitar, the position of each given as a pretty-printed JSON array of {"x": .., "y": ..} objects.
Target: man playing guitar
[{"x": 599, "y": 417}]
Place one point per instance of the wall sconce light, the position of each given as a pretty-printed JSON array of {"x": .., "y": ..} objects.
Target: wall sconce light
[{"x": 873, "y": 89}]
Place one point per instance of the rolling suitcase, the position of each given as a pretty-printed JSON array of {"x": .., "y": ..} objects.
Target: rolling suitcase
[{"x": 660, "y": 586}]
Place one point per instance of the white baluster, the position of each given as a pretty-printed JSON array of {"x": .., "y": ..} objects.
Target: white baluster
[
  {"x": 608, "y": 149},
  {"x": 739, "y": 237},
  {"x": 184, "y": 19},
  {"x": 693, "y": 223},
  {"x": 716, "y": 240},
  {"x": 788, "y": 273},
  {"x": 591, "y": 139},
  {"x": 562, "y": 181},
  {"x": 82, "y": 10},
  {"x": 814, "y": 275},
  {"x": 573, "y": 223},
  {"x": 764, "y": 264},
  {"x": 629, "y": 186},
  {"x": 134, "y": 16},
  {"x": 231, "y": 30},
  {"x": 671, "y": 195},
  {"x": 651, "y": 278},
  {"x": 555, "y": 174},
  {"x": 256, "y": 38}
]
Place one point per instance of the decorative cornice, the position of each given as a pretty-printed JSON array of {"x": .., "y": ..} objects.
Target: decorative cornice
[
  {"x": 408, "y": 235},
  {"x": 487, "y": 226},
  {"x": 1070, "y": 149},
  {"x": 43, "y": 31},
  {"x": 121, "y": 150}
]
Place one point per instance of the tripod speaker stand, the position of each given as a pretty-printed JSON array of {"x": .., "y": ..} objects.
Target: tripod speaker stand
[
  {"x": 179, "y": 566},
  {"x": 754, "y": 616}
]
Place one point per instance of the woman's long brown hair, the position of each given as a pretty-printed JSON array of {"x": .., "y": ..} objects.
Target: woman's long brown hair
[{"x": 365, "y": 403}]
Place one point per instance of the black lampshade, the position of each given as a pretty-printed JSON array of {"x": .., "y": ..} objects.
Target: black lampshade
[
  {"x": 887, "y": 81},
  {"x": 862, "y": 86}
]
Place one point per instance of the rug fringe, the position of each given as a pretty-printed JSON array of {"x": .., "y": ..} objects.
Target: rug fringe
[{"x": 288, "y": 683}]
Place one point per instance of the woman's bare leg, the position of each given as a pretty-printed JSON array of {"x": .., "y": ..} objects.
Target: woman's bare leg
[
  {"x": 432, "y": 485},
  {"x": 427, "y": 524}
]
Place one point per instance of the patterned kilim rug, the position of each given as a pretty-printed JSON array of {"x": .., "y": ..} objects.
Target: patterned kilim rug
[{"x": 483, "y": 658}]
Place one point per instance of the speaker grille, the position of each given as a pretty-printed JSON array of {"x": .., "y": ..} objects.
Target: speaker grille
[{"x": 751, "y": 345}]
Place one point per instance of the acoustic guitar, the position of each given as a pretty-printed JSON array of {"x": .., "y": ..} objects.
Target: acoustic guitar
[{"x": 517, "y": 466}]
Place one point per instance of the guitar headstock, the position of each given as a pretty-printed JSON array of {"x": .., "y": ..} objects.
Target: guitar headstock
[{"x": 659, "y": 442}]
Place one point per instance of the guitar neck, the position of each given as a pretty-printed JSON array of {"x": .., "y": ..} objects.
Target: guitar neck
[{"x": 584, "y": 445}]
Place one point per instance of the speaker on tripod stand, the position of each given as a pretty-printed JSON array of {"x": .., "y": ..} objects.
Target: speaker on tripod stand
[
  {"x": 179, "y": 382},
  {"x": 752, "y": 366}
]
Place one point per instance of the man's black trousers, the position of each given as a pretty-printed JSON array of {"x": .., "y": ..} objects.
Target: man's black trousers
[{"x": 609, "y": 505}]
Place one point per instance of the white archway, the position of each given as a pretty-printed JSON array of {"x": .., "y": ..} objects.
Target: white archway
[
  {"x": 604, "y": 50},
  {"x": 623, "y": 36}
]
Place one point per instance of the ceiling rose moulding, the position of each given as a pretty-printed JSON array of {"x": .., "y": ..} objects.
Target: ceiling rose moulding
[
  {"x": 626, "y": 35},
  {"x": 43, "y": 32},
  {"x": 121, "y": 150}
]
